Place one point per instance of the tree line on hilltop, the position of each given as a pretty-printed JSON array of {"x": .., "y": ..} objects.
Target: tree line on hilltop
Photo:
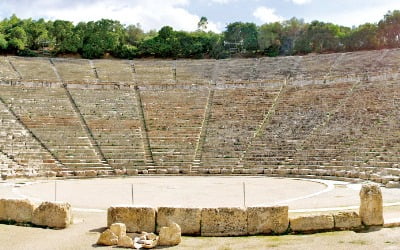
[{"x": 27, "y": 37}]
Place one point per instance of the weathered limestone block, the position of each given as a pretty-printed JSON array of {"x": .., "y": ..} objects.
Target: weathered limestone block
[
  {"x": 266, "y": 220},
  {"x": 162, "y": 171},
  {"x": 79, "y": 173},
  {"x": 16, "y": 210},
  {"x": 132, "y": 172},
  {"x": 173, "y": 170},
  {"x": 371, "y": 205},
  {"x": 119, "y": 229},
  {"x": 53, "y": 214},
  {"x": 107, "y": 238},
  {"x": 170, "y": 236},
  {"x": 214, "y": 171},
  {"x": 226, "y": 171},
  {"x": 393, "y": 184},
  {"x": 187, "y": 218},
  {"x": 136, "y": 218},
  {"x": 347, "y": 220},
  {"x": 125, "y": 241},
  {"x": 223, "y": 221},
  {"x": 90, "y": 173},
  {"x": 310, "y": 223}
]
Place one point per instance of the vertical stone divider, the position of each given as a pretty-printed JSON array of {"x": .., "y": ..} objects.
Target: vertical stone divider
[
  {"x": 13, "y": 67},
  {"x": 53, "y": 66},
  {"x": 11, "y": 111},
  {"x": 148, "y": 155},
  {"x": 204, "y": 126},
  {"x": 263, "y": 123},
  {"x": 371, "y": 205},
  {"x": 86, "y": 128},
  {"x": 96, "y": 74}
]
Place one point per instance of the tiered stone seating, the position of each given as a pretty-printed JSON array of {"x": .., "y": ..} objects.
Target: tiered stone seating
[
  {"x": 314, "y": 68},
  {"x": 112, "y": 116},
  {"x": 18, "y": 145},
  {"x": 391, "y": 62},
  {"x": 236, "y": 114},
  {"x": 114, "y": 70},
  {"x": 194, "y": 71},
  {"x": 238, "y": 71},
  {"x": 6, "y": 70},
  {"x": 48, "y": 113},
  {"x": 300, "y": 113},
  {"x": 74, "y": 70},
  {"x": 37, "y": 69},
  {"x": 174, "y": 119},
  {"x": 356, "y": 64},
  {"x": 276, "y": 69},
  {"x": 154, "y": 72}
]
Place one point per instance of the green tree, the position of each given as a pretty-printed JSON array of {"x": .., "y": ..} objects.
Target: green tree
[
  {"x": 100, "y": 37},
  {"x": 37, "y": 33},
  {"x": 364, "y": 37},
  {"x": 389, "y": 29},
  {"x": 245, "y": 32},
  {"x": 269, "y": 38},
  {"x": 202, "y": 24},
  {"x": 67, "y": 39},
  {"x": 134, "y": 34}
]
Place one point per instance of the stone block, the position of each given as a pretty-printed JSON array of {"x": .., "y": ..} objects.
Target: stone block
[
  {"x": 90, "y": 173},
  {"x": 16, "y": 210},
  {"x": 267, "y": 220},
  {"x": 162, "y": 171},
  {"x": 223, "y": 221},
  {"x": 347, "y": 220},
  {"x": 312, "y": 223},
  {"x": 170, "y": 236},
  {"x": 107, "y": 238},
  {"x": 132, "y": 172},
  {"x": 136, "y": 218},
  {"x": 187, "y": 218},
  {"x": 119, "y": 229},
  {"x": 53, "y": 214},
  {"x": 371, "y": 205}
]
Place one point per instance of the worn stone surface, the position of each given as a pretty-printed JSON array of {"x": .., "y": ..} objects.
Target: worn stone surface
[
  {"x": 53, "y": 214},
  {"x": 16, "y": 210},
  {"x": 136, "y": 218},
  {"x": 107, "y": 238},
  {"x": 312, "y": 223},
  {"x": 170, "y": 236},
  {"x": 371, "y": 205},
  {"x": 393, "y": 184},
  {"x": 223, "y": 221},
  {"x": 266, "y": 220},
  {"x": 347, "y": 220},
  {"x": 119, "y": 229},
  {"x": 187, "y": 218},
  {"x": 125, "y": 241}
]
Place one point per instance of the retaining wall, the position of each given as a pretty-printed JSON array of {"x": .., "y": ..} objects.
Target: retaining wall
[{"x": 47, "y": 214}]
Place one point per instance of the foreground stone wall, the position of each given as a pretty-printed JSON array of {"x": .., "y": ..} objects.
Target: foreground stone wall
[
  {"x": 236, "y": 221},
  {"x": 47, "y": 214}
]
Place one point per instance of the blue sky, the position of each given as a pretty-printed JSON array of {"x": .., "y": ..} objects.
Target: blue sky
[{"x": 184, "y": 14}]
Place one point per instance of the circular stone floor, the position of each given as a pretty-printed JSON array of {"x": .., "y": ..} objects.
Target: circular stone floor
[{"x": 101, "y": 193}]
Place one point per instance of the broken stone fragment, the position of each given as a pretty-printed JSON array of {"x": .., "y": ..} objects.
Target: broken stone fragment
[
  {"x": 119, "y": 229},
  {"x": 170, "y": 236},
  {"x": 125, "y": 241},
  {"x": 107, "y": 238}
]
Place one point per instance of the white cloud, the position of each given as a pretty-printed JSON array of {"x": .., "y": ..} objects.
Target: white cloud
[
  {"x": 267, "y": 15},
  {"x": 300, "y": 2},
  {"x": 151, "y": 14}
]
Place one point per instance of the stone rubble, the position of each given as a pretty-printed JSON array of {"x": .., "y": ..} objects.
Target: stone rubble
[{"x": 116, "y": 236}]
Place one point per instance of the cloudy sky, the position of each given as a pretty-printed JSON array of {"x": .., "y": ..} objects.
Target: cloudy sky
[{"x": 184, "y": 14}]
